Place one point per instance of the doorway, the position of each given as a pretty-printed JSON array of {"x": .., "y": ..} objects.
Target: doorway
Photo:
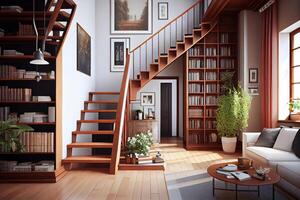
[{"x": 166, "y": 109}]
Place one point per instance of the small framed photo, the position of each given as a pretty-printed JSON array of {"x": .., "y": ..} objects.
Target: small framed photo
[
  {"x": 163, "y": 11},
  {"x": 118, "y": 53},
  {"x": 253, "y": 75},
  {"x": 147, "y": 98},
  {"x": 253, "y": 91}
]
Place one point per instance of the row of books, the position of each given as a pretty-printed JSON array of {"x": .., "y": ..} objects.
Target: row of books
[
  {"x": 211, "y": 76},
  {"x": 210, "y": 124},
  {"x": 226, "y": 51},
  {"x": 196, "y": 51},
  {"x": 209, "y": 112},
  {"x": 38, "y": 141},
  {"x": 200, "y": 138},
  {"x": 14, "y": 166},
  {"x": 25, "y": 29},
  {"x": 211, "y": 63},
  {"x": 11, "y": 72},
  {"x": 196, "y": 88},
  {"x": 227, "y": 63},
  {"x": 224, "y": 38},
  {"x": 196, "y": 100},
  {"x": 196, "y": 63},
  {"x": 211, "y": 100},
  {"x": 194, "y": 76},
  {"x": 196, "y": 124},
  {"x": 211, "y": 51},
  {"x": 212, "y": 88},
  {"x": 4, "y": 113},
  {"x": 195, "y": 112},
  {"x": 11, "y": 52},
  {"x": 15, "y": 94}
]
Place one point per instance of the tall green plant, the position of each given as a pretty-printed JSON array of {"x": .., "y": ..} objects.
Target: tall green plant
[
  {"x": 10, "y": 136},
  {"x": 233, "y": 109}
]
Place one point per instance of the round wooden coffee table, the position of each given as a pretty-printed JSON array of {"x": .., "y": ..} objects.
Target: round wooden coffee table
[{"x": 273, "y": 178}]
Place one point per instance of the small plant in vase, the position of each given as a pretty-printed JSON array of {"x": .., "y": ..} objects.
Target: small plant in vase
[
  {"x": 294, "y": 107},
  {"x": 139, "y": 145}
]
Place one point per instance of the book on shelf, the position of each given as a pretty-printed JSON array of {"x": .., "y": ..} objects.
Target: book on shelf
[
  {"x": 4, "y": 113},
  {"x": 196, "y": 88},
  {"x": 196, "y": 112},
  {"x": 14, "y": 166},
  {"x": 196, "y": 51},
  {"x": 224, "y": 38},
  {"x": 13, "y": 8},
  {"x": 210, "y": 124},
  {"x": 194, "y": 76},
  {"x": 211, "y": 63},
  {"x": 12, "y": 52},
  {"x": 41, "y": 98},
  {"x": 211, "y": 76},
  {"x": 211, "y": 51},
  {"x": 15, "y": 94},
  {"x": 33, "y": 117},
  {"x": 227, "y": 63},
  {"x": 25, "y": 29},
  {"x": 195, "y": 124},
  {"x": 196, "y": 100},
  {"x": 38, "y": 142},
  {"x": 210, "y": 112},
  {"x": 196, "y": 63},
  {"x": 226, "y": 51}
]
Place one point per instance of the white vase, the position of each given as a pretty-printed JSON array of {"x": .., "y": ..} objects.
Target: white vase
[{"x": 229, "y": 144}]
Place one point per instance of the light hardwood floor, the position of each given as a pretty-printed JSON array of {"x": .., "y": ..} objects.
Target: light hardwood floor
[{"x": 92, "y": 184}]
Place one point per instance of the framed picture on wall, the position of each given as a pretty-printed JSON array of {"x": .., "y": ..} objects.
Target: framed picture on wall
[
  {"x": 131, "y": 16},
  {"x": 147, "y": 98},
  {"x": 253, "y": 75},
  {"x": 83, "y": 51},
  {"x": 253, "y": 91},
  {"x": 118, "y": 53},
  {"x": 163, "y": 11}
]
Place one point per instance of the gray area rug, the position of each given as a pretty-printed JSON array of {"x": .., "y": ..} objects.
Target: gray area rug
[{"x": 196, "y": 185}]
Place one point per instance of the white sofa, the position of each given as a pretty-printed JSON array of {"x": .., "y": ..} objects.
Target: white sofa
[{"x": 286, "y": 163}]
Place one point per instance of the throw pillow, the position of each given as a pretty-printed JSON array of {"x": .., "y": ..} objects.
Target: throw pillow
[
  {"x": 267, "y": 137},
  {"x": 296, "y": 144},
  {"x": 285, "y": 139}
]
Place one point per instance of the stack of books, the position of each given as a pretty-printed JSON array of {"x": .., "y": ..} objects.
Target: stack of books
[
  {"x": 41, "y": 98},
  {"x": 7, "y": 166},
  {"x": 12, "y": 52},
  {"x": 231, "y": 170},
  {"x": 30, "y": 117}
]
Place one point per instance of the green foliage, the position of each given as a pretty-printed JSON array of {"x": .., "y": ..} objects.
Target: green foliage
[
  {"x": 233, "y": 112},
  {"x": 10, "y": 136},
  {"x": 140, "y": 144},
  {"x": 294, "y": 105}
]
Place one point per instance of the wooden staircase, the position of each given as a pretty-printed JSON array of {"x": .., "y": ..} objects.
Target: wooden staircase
[
  {"x": 143, "y": 63},
  {"x": 107, "y": 106}
]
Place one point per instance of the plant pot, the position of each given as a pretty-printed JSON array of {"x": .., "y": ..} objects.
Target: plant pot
[
  {"x": 127, "y": 159},
  {"x": 229, "y": 144}
]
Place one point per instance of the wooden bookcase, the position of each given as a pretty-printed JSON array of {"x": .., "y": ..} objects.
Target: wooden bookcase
[
  {"x": 205, "y": 63},
  {"x": 46, "y": 87}
]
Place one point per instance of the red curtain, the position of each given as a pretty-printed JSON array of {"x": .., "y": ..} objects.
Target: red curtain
[{"x": 269, "y": 67}]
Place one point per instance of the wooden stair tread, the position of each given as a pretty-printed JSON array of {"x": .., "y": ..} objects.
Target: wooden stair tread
[
  {"x": 102, "y": 132},
  {"x": 97, "y": 121},
  {"x": 105, "y": 93},
  {"x": 87, "y": 159},
  {"x": 90, "y": 145},
  {"x": 102, "y": 102},
  {"x": 99, "y": 111}
]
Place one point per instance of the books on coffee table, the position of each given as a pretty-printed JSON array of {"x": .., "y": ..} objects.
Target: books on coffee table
[{"x": 242, "y": 176}]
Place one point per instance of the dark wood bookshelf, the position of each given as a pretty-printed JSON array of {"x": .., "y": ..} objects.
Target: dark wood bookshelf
[{"x": 214, "y": 54}]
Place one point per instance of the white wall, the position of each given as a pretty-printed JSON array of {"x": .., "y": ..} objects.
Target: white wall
[
  {"x": 155, "y": 86},
  {"x": 76, "y": 85},
  {"x": 249, "y": 57},
  {"x": 106, "y": 80}
]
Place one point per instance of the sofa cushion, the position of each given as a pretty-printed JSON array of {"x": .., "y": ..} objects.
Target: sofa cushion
[
  {"x": 267, "y": 137},
  {"x": 296, "y": 144},
  {"x": 290, "y": 171},
  {"x": 272, "y": 155},
  {"x": 285, "y": 139}
]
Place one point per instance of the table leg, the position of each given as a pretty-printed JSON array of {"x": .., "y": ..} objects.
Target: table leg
[
  {"x": 236, "y": 192},
  {"x": 258, "y": 191},
  {"x": 213, "y": 186},
  {"x": 273, "y": 191}
]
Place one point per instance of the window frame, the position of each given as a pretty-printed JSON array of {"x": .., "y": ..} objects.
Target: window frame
[{"x": 292, "y": 66}]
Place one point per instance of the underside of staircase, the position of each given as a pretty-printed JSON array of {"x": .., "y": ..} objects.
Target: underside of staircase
[{"x": 143, "y": 63}]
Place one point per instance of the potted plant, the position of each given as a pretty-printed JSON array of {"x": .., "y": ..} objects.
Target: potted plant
[
  {"x": 232, "y": 114},
  {"x": 294, "y": 107},
  {"x": 10, "y": 136},
  {"x": 139, "y": 145}
]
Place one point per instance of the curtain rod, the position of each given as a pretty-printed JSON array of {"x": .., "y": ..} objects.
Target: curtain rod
[{"x": 267, "y": 5}]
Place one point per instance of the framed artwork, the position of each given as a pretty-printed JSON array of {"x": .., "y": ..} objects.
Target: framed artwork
[
  {"x": 131, "y": 16},
  {"x": 163, "y": 11},
  {"x": 253, "y": 75},
  {"x": 83, "y": 51},
  {"x": 147, "y": 98},
  {"x": 118, "y": 53},
  {"x": 148, "y": 112},
  {"x": 253, "y": 91}
]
